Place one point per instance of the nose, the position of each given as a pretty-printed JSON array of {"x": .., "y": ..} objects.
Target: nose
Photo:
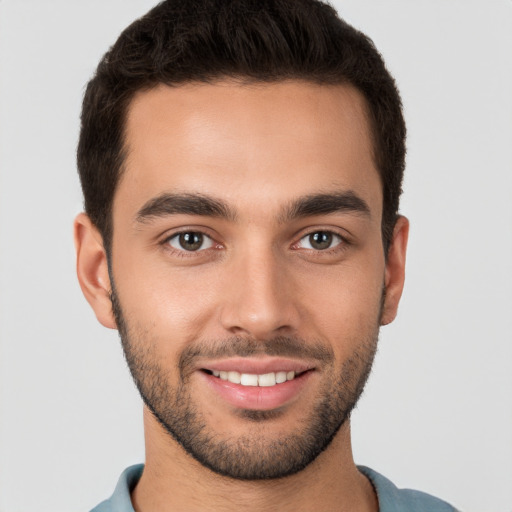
[{"x": 261, "y": 300}]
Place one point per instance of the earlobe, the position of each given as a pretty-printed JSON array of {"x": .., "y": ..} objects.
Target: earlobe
[
  {"x": 395, "y": 270},
  {"x": 92, "y": 269}
]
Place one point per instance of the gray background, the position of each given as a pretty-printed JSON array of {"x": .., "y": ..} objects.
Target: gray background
[{"x": 437, "y": 412}]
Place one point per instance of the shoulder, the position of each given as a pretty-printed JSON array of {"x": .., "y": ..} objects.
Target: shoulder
[
  {"x": 393, "y": 499},
  {"x": 120, "y": 500}
]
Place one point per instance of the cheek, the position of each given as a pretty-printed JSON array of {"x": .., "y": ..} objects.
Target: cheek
[
  {"x": 344, "y": 307},
  {"x": 173, "y": 305}
]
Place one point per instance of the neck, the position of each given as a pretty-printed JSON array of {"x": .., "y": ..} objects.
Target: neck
[{"x": 173, "y": 480}]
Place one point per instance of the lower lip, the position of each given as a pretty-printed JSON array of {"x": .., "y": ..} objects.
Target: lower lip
[{"x": 257, "y": 398}]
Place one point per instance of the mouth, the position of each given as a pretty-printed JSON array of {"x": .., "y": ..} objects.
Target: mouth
[{"x": 257, "y": 384}]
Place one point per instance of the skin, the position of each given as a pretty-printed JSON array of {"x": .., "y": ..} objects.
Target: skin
[{"x": 257, "y": 148}]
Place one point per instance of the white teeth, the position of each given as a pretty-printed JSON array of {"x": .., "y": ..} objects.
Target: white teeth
[
  {"x": 234, "y": 377},
  {"x": 280, "y": 377},
  {"x": 267, "y": 379},
  {"x": 249, "y": 379}
]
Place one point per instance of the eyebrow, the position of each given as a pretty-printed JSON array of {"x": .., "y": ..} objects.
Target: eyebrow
[
  {"x": 188, "y": 204},
  {"x": 323, "y": 204},
  {"x": 207, "y": 206}
]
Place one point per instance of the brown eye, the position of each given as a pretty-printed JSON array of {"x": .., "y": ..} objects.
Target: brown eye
[
  {"x": 190, "y": 241},
  {"x": 320, "y": 240}
]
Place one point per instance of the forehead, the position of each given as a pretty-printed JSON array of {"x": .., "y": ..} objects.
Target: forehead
[{"x": 248, "y": 143}]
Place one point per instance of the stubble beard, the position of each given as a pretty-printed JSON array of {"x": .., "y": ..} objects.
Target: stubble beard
[{"x": 254, "y": 456}]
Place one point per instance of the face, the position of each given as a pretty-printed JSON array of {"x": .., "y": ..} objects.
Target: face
[{"x": 247, "y": 269}]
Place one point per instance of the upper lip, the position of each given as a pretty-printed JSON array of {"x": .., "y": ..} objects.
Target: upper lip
[{"x": 257, "y": 365}]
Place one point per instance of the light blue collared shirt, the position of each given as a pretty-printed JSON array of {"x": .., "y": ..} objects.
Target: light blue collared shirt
[{"x": 391, "y": 498}]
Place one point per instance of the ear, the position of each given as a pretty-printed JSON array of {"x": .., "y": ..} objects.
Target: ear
[
  {"x": 395, "y": 270},
  {"x": 92, "y": 269}
]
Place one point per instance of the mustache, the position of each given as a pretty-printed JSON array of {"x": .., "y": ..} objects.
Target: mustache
[{"x": 279, "y": 346}]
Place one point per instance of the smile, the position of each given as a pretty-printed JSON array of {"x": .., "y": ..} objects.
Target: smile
[
  {"x": 257, "y": 383},
  {"x": 250, "y": 379}
]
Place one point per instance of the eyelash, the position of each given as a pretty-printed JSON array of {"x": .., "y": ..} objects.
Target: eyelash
[{"x": 342, "y": 244}]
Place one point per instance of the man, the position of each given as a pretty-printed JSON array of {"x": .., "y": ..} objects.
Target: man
[{"x": 241, "y": 163}]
